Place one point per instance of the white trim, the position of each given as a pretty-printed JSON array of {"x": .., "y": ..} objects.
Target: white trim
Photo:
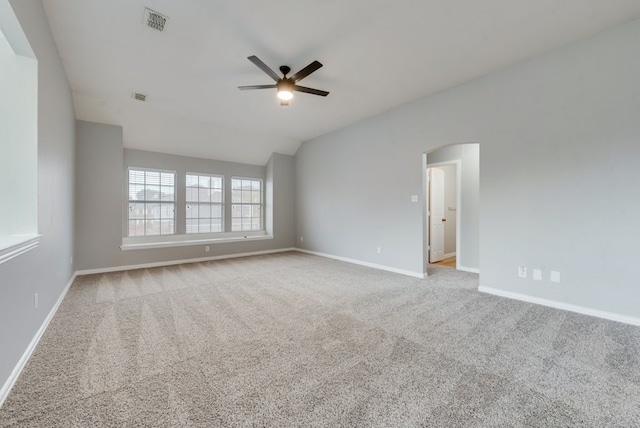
[
  {"x": 563, "y": 306},
  {"x": 179, "y": 262},
  {"x": 363, "y": 263},
  {"x": 6, "y": 388},
  {"x": 189, "y": 242},
  {"x": 17, "y": 245},
  {"x": 467, "y": 269},
  {"x": 446, "y": 256}
]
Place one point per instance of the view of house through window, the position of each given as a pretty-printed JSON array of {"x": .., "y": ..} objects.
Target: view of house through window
[
  {"x": 151, "y": 202},
  {"x": 246, "y": 208},
  {"x": 204, "y": 204}
]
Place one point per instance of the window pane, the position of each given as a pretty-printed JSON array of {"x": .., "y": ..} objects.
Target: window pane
[
  {"x": 204, "y": 181},
  {"x": 152, "y": 178},
  {"x": 152, "y": 227},
  {"x": 236, "y": 224},
  {"x": 216, "y": 182},
  {"x": 246, "y": 211},
  {"x": 246, "y": 197},
  {"x": 166, "y": 227},
  {"x": 152, "y": 211},
  {"x": 236, "y": 196},
  {"x": 235, "y": 183},
  {"x": 216, "y": 211},
  {"x": 167, "y": 211},
  {"x": 136, "y": 192},
  {"x": 192, "y": 211},
  {"x": 192, "y": 180},
  {"x": 216, "y": 195},
  {"x": 135, "y": 229},
  {"x": 192, "y": 194},
  {"x": 255, "y": 211},
  {"x": 246, "y": 224},
  {"x": 152, "y": 193},
  {"x": 167, "y": 179},
  {"x": 204, "y": 194},
  {"x": 255, "y": 185},
  {"x": 255, "y": 224},
  {"x": 136, "y": 176},
  {"x": 205, "y": 226},
  {"x": 167, "y": 193},
  {"x": 255, "y": 197},
  {"x": 204, "y": 211},
  {"x": 216, "y": 225},
  {"x": 192, "y": 226},
  {"x": 136, "y": 211}
]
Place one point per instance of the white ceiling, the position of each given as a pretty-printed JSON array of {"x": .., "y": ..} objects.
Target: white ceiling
[{"x": 377, "y": 54}]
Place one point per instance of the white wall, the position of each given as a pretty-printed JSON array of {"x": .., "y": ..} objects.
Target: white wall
[
  {"x": 559, "y": 140},
  {"x": 47, "y": 269}
]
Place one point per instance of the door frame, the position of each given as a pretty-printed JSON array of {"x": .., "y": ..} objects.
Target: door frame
[{"x": 458, "y": 165}]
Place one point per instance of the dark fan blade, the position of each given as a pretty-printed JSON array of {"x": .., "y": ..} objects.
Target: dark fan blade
[
  {"x": 306, "y": 71},
  {"x": 264, "y": 67},
  {"x": 310, "y": 90},
  {"x": 244, "y": 88}
]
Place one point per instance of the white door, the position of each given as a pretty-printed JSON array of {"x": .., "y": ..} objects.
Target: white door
[{"x": 436, "y": 217}]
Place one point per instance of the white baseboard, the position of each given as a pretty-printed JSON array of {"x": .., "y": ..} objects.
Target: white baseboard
[
  {"x": 362, "y": 263},
  {"x": 6, "y": 388},
  {"x": 564, "y": 306},
  {"x": 468, "y": 269},
  {"x": 179, "y": 262},
  {"x": 446, "y": 256}
]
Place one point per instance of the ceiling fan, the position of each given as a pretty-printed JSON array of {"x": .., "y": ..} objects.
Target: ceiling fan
[{"x": 285, "y": 86}]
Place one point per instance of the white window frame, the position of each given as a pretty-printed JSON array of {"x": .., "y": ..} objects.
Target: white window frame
[
  {"x": 145, "y": 201},
  {"x": 221, "y": 204},
  {"x": 261, "y": 204}
]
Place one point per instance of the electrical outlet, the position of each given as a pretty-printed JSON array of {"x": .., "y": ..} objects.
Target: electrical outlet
[
  {"x": 35, "y": 301},
  {"x": 522, "y": 271},
  {"x": 206, "y": 249},
  {"x": 302, "y": 239},
  {"x": 379, "y": 250},
  {"x": 537, "y": 274},
  {"x": 555, "y": 276},
  {"x": 414, "y": 198}
]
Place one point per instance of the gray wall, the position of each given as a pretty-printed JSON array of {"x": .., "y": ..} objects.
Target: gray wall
[
  {"x": 559, "y": 146},
  {"x": 47, "y": 269},
  {"x": 469, "y": 156},
  {"x": 100, "y": 210}
]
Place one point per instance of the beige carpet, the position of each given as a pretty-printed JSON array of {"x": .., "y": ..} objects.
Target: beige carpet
[{"x": 297, "y": 340}]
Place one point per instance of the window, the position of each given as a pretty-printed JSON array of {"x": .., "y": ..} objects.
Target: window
[
  {"x": 246, "y": 204},
  {"x": 151, "y": 202},
  {"x": 204, "y": 203}
]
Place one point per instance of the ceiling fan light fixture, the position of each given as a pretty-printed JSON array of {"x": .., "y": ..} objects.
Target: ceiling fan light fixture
[
  {"x": 285, "y": 89},
  {"x": 285, "y": 95}
]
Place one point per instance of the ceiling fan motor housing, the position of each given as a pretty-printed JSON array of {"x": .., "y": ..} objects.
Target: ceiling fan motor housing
[{"x": 285, "y": 69}]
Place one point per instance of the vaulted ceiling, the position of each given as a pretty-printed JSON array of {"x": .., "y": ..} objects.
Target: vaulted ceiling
[{"x": 377, "y": 54}]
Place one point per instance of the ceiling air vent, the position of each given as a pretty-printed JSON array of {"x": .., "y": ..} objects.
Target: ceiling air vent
[
  {"x": 155, "y": 20},
  {"x": 139, "y": 97}
]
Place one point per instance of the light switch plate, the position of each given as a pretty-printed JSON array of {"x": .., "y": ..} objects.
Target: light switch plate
[{"x": 414, "y": 198}]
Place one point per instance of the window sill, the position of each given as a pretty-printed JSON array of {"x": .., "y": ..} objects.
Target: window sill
[
  {"x": 13, "y": 246},
  {"x": 188, "y": 241}
]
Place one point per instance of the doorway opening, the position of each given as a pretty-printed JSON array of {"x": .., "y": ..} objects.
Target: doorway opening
[
  {"x": 443, "y": 200},
  {"x": 451, "y": 209}
]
